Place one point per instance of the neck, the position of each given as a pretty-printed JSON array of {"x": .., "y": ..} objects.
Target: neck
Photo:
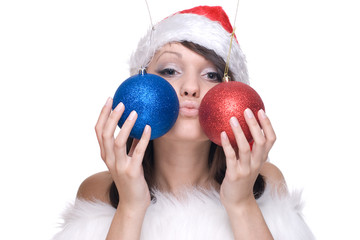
[{"x": 181, "y": 164}]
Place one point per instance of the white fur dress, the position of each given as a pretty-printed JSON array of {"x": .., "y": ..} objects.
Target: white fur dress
[{"x": 197, "y": 215}]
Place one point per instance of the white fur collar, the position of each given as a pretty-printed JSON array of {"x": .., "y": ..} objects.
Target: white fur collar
[{"x": 197, "y": 215}]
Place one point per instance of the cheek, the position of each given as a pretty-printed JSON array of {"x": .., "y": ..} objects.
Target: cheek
[
  {"x": 174, "y": 85},
  {"x": 151, "y": 70},
  {"x": 206, "y": 87}
]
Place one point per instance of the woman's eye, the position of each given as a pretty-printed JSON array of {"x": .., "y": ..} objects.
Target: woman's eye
[
  {"x": 167, "y": 72},
  {"x": 214, "y": 76}
]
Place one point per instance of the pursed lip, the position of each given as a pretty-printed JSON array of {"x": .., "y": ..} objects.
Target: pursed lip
[{"x": 189, "y": 109}]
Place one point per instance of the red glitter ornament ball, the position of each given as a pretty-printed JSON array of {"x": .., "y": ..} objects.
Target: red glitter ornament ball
[{"x": 224, "y": 101}]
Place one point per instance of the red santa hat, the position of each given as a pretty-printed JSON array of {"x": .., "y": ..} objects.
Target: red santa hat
[{"x": 204, "y": 25}]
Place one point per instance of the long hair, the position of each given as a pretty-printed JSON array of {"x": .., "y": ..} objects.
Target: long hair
[{"x": 216, "y": 157}]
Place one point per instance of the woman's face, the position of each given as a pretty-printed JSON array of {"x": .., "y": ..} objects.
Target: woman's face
[{"x": 192, "y": 76}]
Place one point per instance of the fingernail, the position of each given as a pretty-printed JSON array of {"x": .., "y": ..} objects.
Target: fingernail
[
  {"x": 108, "y": 101},
  {"x": 224, "y": 135},
  {"x": 249, "y": 113},
  {"x": 119, "y": 107},
  {"x": 234, "y": 122},
  {"x": 262, "y": 114},
  {"x": 132, "y": 115},
  {"x": 147, "y": 129}
]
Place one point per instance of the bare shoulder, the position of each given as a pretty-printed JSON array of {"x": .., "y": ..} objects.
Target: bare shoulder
[
  {"x": 273, "y": 176},
  {"x": 96, "y": 187}
]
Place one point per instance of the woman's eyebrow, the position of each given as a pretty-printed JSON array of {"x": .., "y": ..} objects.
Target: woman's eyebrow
[{"x": 170, "y": 52}]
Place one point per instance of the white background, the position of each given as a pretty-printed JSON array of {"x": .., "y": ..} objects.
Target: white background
[{"x": 60, "y": 60}]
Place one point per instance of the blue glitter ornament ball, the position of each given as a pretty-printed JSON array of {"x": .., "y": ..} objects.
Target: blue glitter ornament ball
[{"x": 154, "y": 100}]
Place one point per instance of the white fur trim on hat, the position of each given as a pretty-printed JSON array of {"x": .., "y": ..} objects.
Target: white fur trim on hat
[{"x": 192, "y": 28}]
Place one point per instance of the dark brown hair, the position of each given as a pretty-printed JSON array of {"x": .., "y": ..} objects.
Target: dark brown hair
[{"x": 216, "y": 158}]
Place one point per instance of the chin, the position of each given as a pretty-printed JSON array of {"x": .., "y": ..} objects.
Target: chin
[{"x": 187, "y": 132}]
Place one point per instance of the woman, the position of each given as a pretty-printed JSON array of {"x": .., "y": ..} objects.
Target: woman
[{"x": 199, "y": 190}]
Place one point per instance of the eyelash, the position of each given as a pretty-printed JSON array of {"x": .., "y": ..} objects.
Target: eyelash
[
  {"x": 216, "y": 75},
  {"x": 168, "y": 72}
]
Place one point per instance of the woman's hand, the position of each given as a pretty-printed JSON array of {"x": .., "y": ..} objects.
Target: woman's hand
[
  {"x": 244, "y": 164},
  {"x": 125, "y": 168}
]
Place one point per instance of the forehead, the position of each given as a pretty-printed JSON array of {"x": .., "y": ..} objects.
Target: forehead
[
  {"x": 178, "y": 50},
  {"x": 171, "y": 47}
]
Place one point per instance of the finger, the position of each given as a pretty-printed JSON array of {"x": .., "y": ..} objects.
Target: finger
[
  {"x": 108, "y": 132},
  {"x": 122, "y": 137},
  {"x": 258, "y": 151},
  {"x": 139, "y": 151},
  {"x": 243, "y": 144},
  {"x": 133, "y": 145},
  {"x": 268, "y": 129},
  {"x": 105, "y": 112},
  {"x": 255, "y": 129},
  {"x": 229, "y": 151}
]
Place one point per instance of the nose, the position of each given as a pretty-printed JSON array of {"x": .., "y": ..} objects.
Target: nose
[{"x": 190, "y": 88}]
